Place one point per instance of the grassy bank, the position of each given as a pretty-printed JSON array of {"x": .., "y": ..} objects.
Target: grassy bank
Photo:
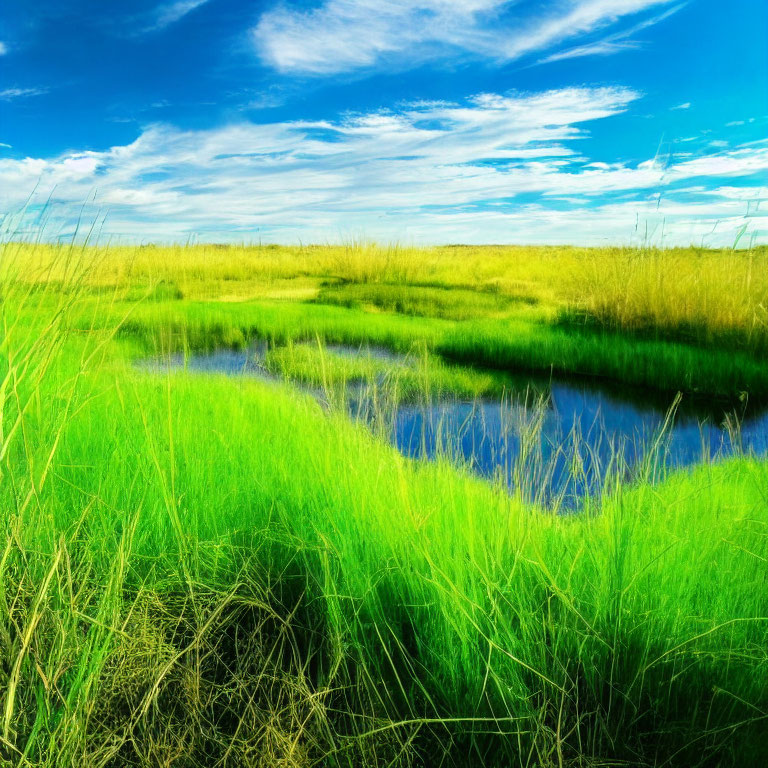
[
  {"x": 202, "y": 571},
  {"x": 692, "y": 294},
  {"x": 515, "y": 344}
]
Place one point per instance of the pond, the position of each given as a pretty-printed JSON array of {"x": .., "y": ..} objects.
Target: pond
[
  {"x": 553, "y": 441},
  {"x": 574, "y": 441}
]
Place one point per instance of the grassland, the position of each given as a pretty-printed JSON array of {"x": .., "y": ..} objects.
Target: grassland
[{"x": 198, "y": 570}]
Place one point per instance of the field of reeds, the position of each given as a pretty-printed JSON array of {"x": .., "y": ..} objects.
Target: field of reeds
[{"x": 203, "y": 570}]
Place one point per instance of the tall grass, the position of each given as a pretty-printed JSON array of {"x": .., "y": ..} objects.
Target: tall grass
[
  {"x": 404, "y": 299},
  {"x": 711, "y": 298},
  {"x": 196, "y": 571},
  {"x": 417, "y": 376},
  {"x": 510, "y": 344},
  {"x": 669, "y": 319},
  {"x": 647, "y": 283},
  {"x": 105, "y": 658},
  {"x": 653, "y": 364},
  {"x": 452, "y": 609}
]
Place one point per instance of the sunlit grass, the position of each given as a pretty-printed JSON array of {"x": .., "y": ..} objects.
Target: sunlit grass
[
  {"x": 202, "y": 571},
  {"x": 712, "y": 298},
  {"x": 417, "y": 375}
]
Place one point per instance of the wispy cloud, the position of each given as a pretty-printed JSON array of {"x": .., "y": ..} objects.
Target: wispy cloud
[
  {"x": 606, "y": 47},
  {"x": 169, "y": 13},
  {"x": 343, "y": 35},
  {"x": 488, "y": 168},
  {"x": 3, "y": 48},
  {"x": 684, "y": 105},
  {"x": 615, "y": 43},
  {"x": 18, "y": 93}
]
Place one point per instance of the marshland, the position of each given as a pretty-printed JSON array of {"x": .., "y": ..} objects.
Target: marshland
[{"x": 373, "y": 505}]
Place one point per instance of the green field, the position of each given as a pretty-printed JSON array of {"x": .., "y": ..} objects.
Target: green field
[{"x": 202, "y": 570}]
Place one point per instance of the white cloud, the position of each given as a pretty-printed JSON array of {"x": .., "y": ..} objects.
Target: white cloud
[
  {"x": 583, "y": 17},
  {"x": 3, "y": 48},
  {"x": 606, "y": 47},
  {"x": 490, "y": 168},
  {"x": 342, "y": 35},
  {"x": 684, "y": 105},
  {"x": 169, "y": 13},
  {"x": 615, "y": 43},
  {"x": 17, "y": 93}
]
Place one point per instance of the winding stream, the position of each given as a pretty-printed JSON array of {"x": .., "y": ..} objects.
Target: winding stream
[{"x": 552, "y": 440}]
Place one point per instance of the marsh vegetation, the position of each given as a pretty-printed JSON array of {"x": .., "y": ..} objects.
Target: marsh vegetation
[{"x": 204, "y": 569}]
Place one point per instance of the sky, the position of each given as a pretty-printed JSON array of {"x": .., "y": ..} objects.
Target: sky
[{"x": 412, "y": 121}]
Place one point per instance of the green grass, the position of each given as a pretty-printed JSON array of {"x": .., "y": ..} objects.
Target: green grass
[
  {"x": 512, "y": 344},
  {"x": 702, "y": 297},
  {"x": 663, "y": 366},
  {"x": 415, "y": 376},
  {"x": 208, "y": 325},
  {"x": 424, "y": 301},
  {"x": 197, "y": 570},
  {"x": 463, "y": 603}
]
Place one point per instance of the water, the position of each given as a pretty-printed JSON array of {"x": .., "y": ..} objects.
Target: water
[
  {"x": 230, "y": 361},
  {"x": 554, "y": 441},
  {"x": 567, "y": 445},
  {"x": 251, "y": 361}
]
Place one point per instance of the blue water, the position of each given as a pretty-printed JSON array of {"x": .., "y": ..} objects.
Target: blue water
[
  {"x": 578, "y": 434},
  {"x": 581, "y": 438}
]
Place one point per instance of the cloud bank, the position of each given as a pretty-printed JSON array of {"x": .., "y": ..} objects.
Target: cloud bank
[{"x": 491, "y": 168}]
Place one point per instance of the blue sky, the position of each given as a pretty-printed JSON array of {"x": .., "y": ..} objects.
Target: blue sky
[{"x": 418, "y": 121}]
